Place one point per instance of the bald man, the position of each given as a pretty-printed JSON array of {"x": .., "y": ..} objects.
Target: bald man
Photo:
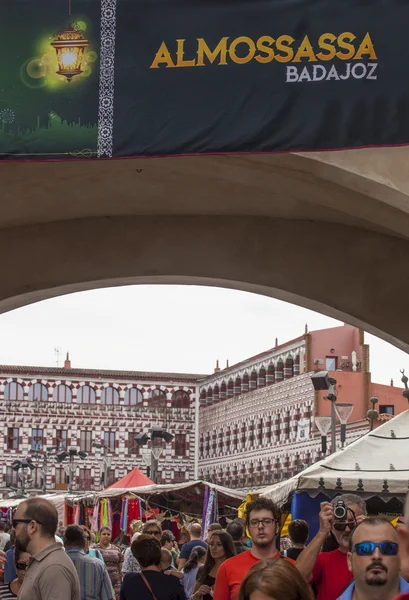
[{"x": 50, "y": 574}]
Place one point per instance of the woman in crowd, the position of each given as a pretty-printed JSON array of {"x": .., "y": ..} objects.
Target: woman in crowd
[
  {"x": 11, "y": 590},
  {"x": 130, "y": 564},
  {"x": 150, "y": 582},
  {"x": 112, "y": 558},
  {"x": 275, "y": 579},
  {"x": 221, "y": 547},
  {"x": 88, "y": 541},
  {"x": 195, "y": 562}
]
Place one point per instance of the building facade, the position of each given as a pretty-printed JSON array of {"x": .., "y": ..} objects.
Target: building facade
[
  {"x": 257, "y": 418},
  {"x": 248, "y": 425},
  {"x": 65, "y": 408}
]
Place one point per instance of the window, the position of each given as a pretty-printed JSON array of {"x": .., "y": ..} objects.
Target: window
[
  {"x": 60, "y": 478},
  {"x": 37, "y": 441},
  {"x": 109, "y": 395},
  {"x": 180, "y": 444},
  {"x": 179, "y": 477},
  {"x": 157, "y": 398},
  {"x": 12, "y": 438},
  {"x": 109, "y": 439},
  {"x": 13, "y": 391},
  {"x": 111, "y": 479},
  {"x": 133, "y": 447},
  {"x": 86, "y": 395},
  {"x": 85, "y": 440},
  {"x": 38, "y": 392},
  {"x": 11, "y": 477},
  {"x": 61, "y": 439},
  {"x": 181, "y": 399},
  {"x": 84, "y": 481},
  {"x": 62, "y": 393},
  {"x": 133, "y": 397},
  {"x": 331, "y": 363},
  {"x": 386, "y": 409}
]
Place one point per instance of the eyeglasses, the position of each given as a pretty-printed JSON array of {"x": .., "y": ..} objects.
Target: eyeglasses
[
  {"x": 16, "y": 521},
  {"x": 342, "y": 526},
  {"x": 368, "y": 548},
  {"x": 153, "y": 532},
  {"x": 267, "y": 522},
  {"x": 21, "y": 566}
]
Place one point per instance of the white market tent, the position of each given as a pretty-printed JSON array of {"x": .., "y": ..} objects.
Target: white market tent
[{"x": 377, "y": 464}]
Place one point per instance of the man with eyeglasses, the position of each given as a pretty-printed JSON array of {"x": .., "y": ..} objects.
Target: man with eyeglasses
[
  {"x": 50, "y": 574},
  {"x": 263, "y": 521},
  {"x": 329, "y": 570},
  {"x": 374, "y": 561}
]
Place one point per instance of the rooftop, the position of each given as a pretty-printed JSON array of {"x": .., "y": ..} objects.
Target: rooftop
[{"x": 98, "y": 373}]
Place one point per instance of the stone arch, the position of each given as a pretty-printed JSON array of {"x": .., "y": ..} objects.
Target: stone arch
[
  {"x": 216, "y": 393},
  {"x": 279, "y": 371},
  {"x": 253, "y": 380},
  {"x": 223, "y": 390},
  {"x": 230, "y": 388},
  {"x": 270, "y": 377},
  {"x": 261, "y": 382},
  {"x": 289, "y": 368}
]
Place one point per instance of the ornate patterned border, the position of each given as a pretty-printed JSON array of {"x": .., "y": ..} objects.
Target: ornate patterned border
[{"x": 106, "y": 79}]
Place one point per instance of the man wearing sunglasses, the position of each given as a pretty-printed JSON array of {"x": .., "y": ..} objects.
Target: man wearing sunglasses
[
  {"x": 329, "y": 570},
  {"x": 50, "y": 574},
  {"x": 374, "y": 561}
]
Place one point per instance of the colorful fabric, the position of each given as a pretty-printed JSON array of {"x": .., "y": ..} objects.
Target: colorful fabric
[
  {"x": 95, "y": 583},
  {"x": 95, "y": 519},
  {"x": 113, "y": 561}
]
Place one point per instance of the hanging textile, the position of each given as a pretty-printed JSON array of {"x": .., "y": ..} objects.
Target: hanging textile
[
  {"x": 134, "y": 513},
  {"x": 95, "y": 519},
  {"x": 109, "y": 511},
  {"x": 209, "y": 512},
  {"x": 205, "y": 503}
]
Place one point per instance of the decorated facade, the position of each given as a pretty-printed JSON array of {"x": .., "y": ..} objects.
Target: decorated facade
[
  {"x": 257, "y": 418},
  {"x": 249, "y": 424},
  {"x": 98, "y": 413}
]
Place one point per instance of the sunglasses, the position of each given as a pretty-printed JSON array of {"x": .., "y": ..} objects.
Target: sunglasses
[
  {"x": 342, "y": 526},
  {"x": 20, "y": 566},
  {"x": 16, "y": 521},
  {"x": 368, "y": 548},
  {"x": 153, "y": 533}
]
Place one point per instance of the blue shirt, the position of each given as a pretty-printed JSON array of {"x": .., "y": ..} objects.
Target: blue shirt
[
  {"x": 188, "y": 547},
  {"x": 95, "y": 583},
  {"x": 9, "y": 568},
  {"x": 349, "y": 592}
]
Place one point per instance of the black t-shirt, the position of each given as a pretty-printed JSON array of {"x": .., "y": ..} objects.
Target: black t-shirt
[
  {"x": 294, "y": 553},
  {"x": 188, "y": 547},
  {"x": 165, "y": 587}
]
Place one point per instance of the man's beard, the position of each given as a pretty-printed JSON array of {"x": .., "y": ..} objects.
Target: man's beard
[
  {"x": 22, "y": 541},
  {"x": 376, "y": 580}
]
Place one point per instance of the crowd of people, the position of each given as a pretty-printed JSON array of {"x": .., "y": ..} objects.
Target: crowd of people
[{"x": 352, "y": 557}]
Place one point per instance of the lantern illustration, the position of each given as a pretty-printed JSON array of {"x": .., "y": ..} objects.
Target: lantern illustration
[{"x": 70, "y": 46}]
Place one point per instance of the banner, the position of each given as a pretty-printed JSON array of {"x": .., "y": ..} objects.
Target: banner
[
  {"x": 303, "y": 430},
  {"x": 121, "y": 78}
]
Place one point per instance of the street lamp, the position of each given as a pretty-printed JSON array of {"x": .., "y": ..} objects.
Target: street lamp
[
  {"x": 106, "y": 461},
  {"x": 151, "y": 457},
  {"x": 344, "y": 411},
  {"x": 24, "y": 466},
  {"x": 38, "y": 454},
  {"x": 70, "y": 468},
  {"x": 322, "y": 381}
]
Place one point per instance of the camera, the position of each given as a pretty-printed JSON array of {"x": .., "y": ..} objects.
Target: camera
[{"x": 340, "y": 510}]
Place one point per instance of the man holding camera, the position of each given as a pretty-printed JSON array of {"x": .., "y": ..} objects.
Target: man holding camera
[{"x": 329, "y": 570}]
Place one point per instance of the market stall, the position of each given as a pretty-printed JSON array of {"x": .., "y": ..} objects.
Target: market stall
[{"x": 376, "y": 467}]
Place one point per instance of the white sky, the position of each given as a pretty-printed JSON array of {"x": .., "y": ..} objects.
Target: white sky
[{"x": 165, "y": 328}]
